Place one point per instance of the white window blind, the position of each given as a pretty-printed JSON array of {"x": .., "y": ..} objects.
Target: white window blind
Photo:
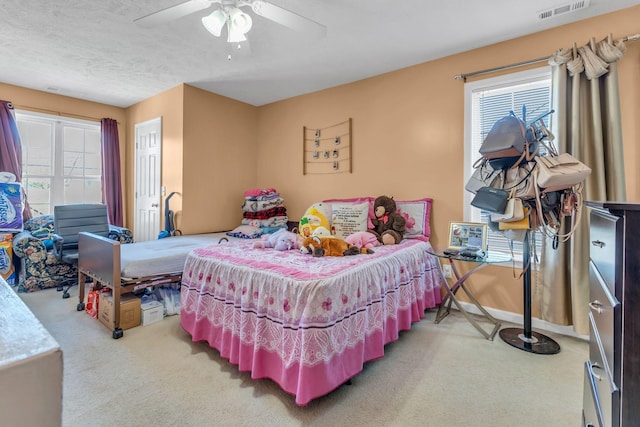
[
  {"x": 61, "y": 160},
  {"x": 488, "y": 100}
]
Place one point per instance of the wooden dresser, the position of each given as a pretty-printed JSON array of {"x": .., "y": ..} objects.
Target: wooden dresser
[{"x": 612, "y": 373}]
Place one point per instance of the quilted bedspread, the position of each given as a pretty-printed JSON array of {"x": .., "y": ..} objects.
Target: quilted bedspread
[{"x": 307, "y": 323}]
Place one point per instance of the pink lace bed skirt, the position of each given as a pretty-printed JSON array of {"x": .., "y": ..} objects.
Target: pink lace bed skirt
[{"x": 309, "y": 336}]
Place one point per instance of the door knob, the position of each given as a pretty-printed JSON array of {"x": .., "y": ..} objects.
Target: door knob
[{"x": 154, "y": 205}]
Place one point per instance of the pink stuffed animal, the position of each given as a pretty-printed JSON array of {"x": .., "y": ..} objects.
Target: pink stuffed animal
[
  {"x": 281, "y": 240},
  {"x": 363, "y": 239}
]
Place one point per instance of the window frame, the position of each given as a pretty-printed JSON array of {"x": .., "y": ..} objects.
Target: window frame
[
  {"x": 493, "y": 83},
  {"x": 57, "y": 176}
]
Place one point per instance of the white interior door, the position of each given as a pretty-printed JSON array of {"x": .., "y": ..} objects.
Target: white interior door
[{"x": 148, "y": 179}]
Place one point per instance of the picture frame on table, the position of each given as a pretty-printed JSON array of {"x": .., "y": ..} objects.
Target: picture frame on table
[{"x": 468, "y": 234}]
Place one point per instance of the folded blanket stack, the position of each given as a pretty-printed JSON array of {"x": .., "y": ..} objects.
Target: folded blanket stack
[{"x": 264, "y": 208}]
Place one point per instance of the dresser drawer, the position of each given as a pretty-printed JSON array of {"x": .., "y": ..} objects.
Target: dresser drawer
[
  {"x": 598, "y": 354},
  {"x": 599, "y": 390},
  {"x": 603, "y": 246},
  {"x": 592, "y": 415},
  {"x": 602, "y": 314}
]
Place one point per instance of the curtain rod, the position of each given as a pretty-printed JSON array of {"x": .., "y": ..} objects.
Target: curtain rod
[
  {"x": 464, "y": 76},
  {"x": 503, "y": 67},
  {"x": 56, "y": 113}
]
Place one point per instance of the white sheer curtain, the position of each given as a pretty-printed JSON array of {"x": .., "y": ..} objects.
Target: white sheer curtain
[{"x": 587, "y": 125}]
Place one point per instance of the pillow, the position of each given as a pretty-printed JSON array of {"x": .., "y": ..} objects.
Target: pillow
[
  {"x": 356, "y": 201},
  {"x": 347, "y": 218},
  {"x": 418, "y": 214}
]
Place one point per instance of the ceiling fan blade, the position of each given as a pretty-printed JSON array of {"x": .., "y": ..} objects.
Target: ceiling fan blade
[
  {"x": 287, "y": 18},
  {"x": 173, "y": 12}
]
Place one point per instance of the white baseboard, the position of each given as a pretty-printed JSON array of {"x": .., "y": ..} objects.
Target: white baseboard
[{"x": 518, "y": 320}]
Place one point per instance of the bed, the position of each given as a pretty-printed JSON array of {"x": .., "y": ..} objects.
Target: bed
[
  {"x": 307, "y": 323},
  {"x": 134, "y": 266}
]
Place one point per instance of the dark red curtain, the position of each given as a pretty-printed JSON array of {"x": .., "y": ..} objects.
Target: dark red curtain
[
  {"x": 111, "y": 182},
  {"x": 11, "y": 148}
]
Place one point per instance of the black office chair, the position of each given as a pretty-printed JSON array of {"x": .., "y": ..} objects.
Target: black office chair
[{"x": 68, "y": 221}]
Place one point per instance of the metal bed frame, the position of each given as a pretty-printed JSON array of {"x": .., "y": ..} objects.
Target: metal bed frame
[{"x": 99, "y": 260}]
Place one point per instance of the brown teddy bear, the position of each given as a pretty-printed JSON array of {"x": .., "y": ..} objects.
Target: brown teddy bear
[
  {"x": 330, "y": 246},
  {"x": 388, "y": 225}
]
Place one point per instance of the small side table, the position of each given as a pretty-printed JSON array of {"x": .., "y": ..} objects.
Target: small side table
[{"x": 492, "y": 257}]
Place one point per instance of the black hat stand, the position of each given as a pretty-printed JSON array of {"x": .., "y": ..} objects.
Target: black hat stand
[{"x": 524, "y": 338}]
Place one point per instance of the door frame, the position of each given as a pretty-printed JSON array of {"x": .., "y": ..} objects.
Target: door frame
[{"x": 157, "y": 121}]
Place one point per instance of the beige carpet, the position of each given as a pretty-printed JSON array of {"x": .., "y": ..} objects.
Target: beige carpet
[{"x": 435, "y": 375}]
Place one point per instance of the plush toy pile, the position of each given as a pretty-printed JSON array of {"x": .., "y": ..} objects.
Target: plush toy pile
[
  {"x": 339, "y": 229},
  {"x": 326, "y": 228}
]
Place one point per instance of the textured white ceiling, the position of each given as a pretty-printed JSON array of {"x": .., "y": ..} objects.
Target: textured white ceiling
[{"x": 93, "y": 50}]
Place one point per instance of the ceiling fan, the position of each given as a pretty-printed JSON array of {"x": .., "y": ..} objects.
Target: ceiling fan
[{"x": 230, "y": 15}]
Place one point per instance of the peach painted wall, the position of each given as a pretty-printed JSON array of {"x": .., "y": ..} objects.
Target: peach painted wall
[
  {"x": 208, "y": 155},
  {"x": 49, "y": 103},
  {"x": 408, "y": 134},
  {"x": 220, "y": 139},
  {"x": 168, "y": 105}
]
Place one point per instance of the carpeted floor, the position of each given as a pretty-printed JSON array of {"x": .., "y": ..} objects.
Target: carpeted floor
[{"x": 435, "y": 375}]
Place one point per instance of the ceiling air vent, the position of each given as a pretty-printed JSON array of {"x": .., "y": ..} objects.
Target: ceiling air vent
[{"x": 562, "y": 9}]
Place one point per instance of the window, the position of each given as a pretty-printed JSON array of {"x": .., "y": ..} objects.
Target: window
[
  {"x": 61, "y": 161},
  {"x": 488, "y": 100}
]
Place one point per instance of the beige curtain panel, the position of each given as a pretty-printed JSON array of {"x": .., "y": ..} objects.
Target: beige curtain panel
[{"x": 587, "y": 124}]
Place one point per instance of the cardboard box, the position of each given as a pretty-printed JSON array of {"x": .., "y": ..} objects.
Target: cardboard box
[
  {"x": 129, "y": 311},
  {"x": 152, "y": 312}
]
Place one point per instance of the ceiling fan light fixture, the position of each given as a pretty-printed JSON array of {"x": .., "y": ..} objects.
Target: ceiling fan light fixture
[
  {"x": 234, "y": 36},
  {"x": 215, "y": 22},
  {"x": 239, "y": 20}
]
